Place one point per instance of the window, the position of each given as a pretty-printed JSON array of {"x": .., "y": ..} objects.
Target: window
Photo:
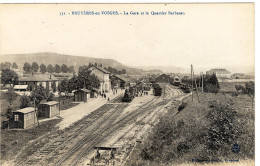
[{"x": 16, "y": 118}]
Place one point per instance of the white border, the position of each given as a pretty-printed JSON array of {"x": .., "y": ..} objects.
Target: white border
[{"x": 257, "y": 27}]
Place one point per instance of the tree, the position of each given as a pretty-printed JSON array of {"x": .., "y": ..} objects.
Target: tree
[
  {"x": 64, "y": 68},
  {"x": 64, "y": 86},
  {"x": 90, "y": 80},
  {"x": 15, "y": 66},
  {"x": 57, "y": 68},
  {"x": 43, "y": 68},
  {"x": 10, "y": 96},
  {"x": 81, "y": 68},
  {"x": 95, "y": 63},
  {"x": 27, "y": 67},
  {"x": 123, "y": 71},
  {"x": 73, "y": 84},
  {"x": 71, "y": 69},
  {"x": 39, "y": 94},
  {"x": 35, "y": 67},
  {"x": 90, "y": 64},
  {"x": 250, "y": 91},
  {"x": 50, "y": 96},
  {"x": 50, "y": 68},
  {"x": 211, "y": 84},
  {"x": 25, "y": 101},
  {"x": 239, "y": 87},
  {"x": 7, "y": 65},
  {"x": 8, "y": 76}
]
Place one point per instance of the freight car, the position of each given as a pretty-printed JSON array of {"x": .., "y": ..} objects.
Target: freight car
[
  {"x": 157, "y": 90},
  {"x": 185, "y": 88}
]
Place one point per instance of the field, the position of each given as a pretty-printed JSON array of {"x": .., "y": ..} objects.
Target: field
[
  {"x": 13, "y": 141},
  {"x": 202, "y": 132}
]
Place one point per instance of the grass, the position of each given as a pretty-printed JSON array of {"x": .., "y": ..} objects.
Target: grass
[
  {"x": 177, "y": 139},
  {"x": 14, "y": 141}
]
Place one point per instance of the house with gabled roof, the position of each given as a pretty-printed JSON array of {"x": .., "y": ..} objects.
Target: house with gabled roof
[
  {"x": 103, "y": 77},
  {"x": 48, "y": 81},
  {"x": 119, "y": 81}
]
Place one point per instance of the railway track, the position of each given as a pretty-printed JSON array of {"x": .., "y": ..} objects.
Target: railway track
[
  {"x": 60, "y": 139},
  {"x": 51, "y": 152},
  {"x": 108, "y": 129},
  {"x": 114, "y": 128}
]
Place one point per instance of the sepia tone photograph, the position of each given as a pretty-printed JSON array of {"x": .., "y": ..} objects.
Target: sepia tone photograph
[{"x": 127, "y": 84}]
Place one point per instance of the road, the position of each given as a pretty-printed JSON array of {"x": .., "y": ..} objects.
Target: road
[{"x": 73, "y": 146}]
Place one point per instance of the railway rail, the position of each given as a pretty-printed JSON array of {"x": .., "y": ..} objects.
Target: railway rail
[{"x": 62, "y": 151}]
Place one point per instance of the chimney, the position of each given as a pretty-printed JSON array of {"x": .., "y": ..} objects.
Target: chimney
[{"x": 50, "y": 76}]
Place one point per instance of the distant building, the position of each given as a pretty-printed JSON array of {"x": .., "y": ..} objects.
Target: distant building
[
  {"x": 48, "y": 109},
  {"x": 79, "y": 95},
  {"x": 48, "y": 81},
  {"x": 23, "y": 118},
  {"x": 119, "y": 81},
  {"x": 220, "y": 73},
  {"x": 163, "y": 79},
  {"x": 240, "y": 76},
  {"x": 103, "y": 76},
  {"x": 20, "y": 87}
]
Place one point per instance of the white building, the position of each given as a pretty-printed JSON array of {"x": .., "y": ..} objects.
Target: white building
[
  {"x": 103, "y": 76},
  {"x": 220, "y": 73}
]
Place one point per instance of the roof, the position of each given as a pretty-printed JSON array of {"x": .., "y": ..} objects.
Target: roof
[
  {"x": 84, "y": 90},
  {"x": 39, "y": 78},
  {"x": 20, "y": 86},
  {"x": 51, "y": 103},
  {"x": 25, "y": 110},
  {"x": 219, "y": 71},
  {"x": 101, "y": 69},
  {"x": 121, "y": 78}
]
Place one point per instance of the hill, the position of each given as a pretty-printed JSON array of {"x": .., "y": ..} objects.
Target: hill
[
  {"x": 70, "y": 60},
  {"x": 164, "y": 69}
]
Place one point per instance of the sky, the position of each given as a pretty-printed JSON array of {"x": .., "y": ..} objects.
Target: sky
[{"x": 207, "y": 36}]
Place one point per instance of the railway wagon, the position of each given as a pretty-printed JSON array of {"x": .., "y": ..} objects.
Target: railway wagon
[
  {"x": 185, "y": 88},
  {"x": 157, "y": 90}
]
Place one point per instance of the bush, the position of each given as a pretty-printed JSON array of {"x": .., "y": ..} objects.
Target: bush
[
  {"x": 223, "y": 129},
  {"x": 25, "y": 101},
  {"x": 211, "y": 88}
]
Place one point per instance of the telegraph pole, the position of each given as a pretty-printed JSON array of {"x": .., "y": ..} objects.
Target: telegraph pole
[
  {"x": 202, "y": 83},
  {"x": 196, "y": 88},
  {"x": 59, "y": 101},
  {"x": 34, "y": 113},
  {"x": 191, "y": 82}
]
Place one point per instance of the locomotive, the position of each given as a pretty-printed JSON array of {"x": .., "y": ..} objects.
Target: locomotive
[
  {"x": 176, "y": 81},
  {"x": 129, "y": 94}
]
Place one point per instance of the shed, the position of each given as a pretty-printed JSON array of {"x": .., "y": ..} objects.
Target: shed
[
  {"x": 48, "y": 109},
  {"x": 20, "y": 87},
  {"x": 23, "y": 118},
  {"x": 79, "y": 94},
  {"x": 94, "y": 93}
]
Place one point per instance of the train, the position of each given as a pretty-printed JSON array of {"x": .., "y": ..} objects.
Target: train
[
  {"x": 157, "y": 90},
  {"x": 129, "y": 94},
  {"x": 176, "y": 81},
  {"x": 186, "y": 88}
]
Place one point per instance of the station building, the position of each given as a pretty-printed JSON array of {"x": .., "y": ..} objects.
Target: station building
[{"x": 103, "y": 77}]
